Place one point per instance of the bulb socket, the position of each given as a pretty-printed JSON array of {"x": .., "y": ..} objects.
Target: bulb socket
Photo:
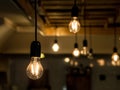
[
  {"x": 114, "y": 49},
  {"x": 55, "y": 41},
  {"x": 35, "y": 49},
  {"x": 76, "y": 45},
  {"x": 85, "y": 43},
  {"x": 91, "y": 50},
  {"x": 75, "y": 11}
]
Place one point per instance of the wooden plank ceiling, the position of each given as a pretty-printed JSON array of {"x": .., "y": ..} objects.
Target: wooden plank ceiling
[{"x": 99, "y": 14}]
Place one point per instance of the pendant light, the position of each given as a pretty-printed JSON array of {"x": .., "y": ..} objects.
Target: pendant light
[
  {"x": 85, "y": 43},
  {"x": 115, "y": 56},
  {"x": 90, "y": 54},
  {"x": 76, "y": 51},
  {"x": 74, "y": 25},
  {"x": 55, "y": 46},
  {"x": 34, "y": 69}
]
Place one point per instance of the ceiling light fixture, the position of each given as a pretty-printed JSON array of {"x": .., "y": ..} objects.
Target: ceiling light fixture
[
  {"x": 34, "y": 69},
  {"x": 76, "y": 51},
  {"x": 90, "y": 54},
  {"x": 84, "y": 50},
  {"x": 115, "y": 56},
  {"x": 74, "y": 25},
  {"x": 55, "y": 46}
]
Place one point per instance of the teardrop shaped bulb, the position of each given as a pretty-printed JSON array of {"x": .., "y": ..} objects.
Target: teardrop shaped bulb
[{"x": 34, "y": 70}]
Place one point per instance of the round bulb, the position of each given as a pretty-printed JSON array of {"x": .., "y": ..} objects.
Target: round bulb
[
  {"x": 76, "y": 52},
  {"x": 74, "y": 25},
  {"x": 115, "y": 56},
  {"x": 55, "y": 47},
  {"x": 34, "y": 70}
]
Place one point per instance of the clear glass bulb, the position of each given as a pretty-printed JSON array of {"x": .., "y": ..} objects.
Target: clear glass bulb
[
  {"x": 84, "y": 51},
  {"x": 74, "y": 25},
  {"x": 76, "y": 52},
  {"x": 55, "y": 47},
  {"x": 115, "y": 56},
  {"x": 34, "y": 70}
]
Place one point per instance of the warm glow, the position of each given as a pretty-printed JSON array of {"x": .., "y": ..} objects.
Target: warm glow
[
  {"x": 42, "y": 55},
  {"x": 84, "y": 51},
  {"x": 76, "y": 52},
  {"x": 74, "y": 25},
  {"x": 115, "y": 56},
  {"x": 71, "y": 62},
  {"x": 76, "y": 63},
  {"x": 91, "y": 65},
  {"x": 90, "y": 56},
  {"x": 101, "y": 62},
  {"x": 67, "y": 59},
  {"x": 115, "y": 63},
  {"x": 55, "y": 47},
  {"x": 34, "y": 69}
]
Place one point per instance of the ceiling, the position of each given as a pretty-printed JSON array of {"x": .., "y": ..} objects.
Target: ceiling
[{"x": 17, "y": 24}]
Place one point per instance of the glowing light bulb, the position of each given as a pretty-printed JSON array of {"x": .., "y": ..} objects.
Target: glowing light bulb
[
  {"x": 115, "y": 56},
  {"x": 55, "y": 46},
  {"x": 90, "y": 54},
  {"x": 67, "y": 59},
  {"x": 84, "y": 51},
  {"x": 74, "y": 25},
  {"x": 34, "y": 70},
  {"x": 76, "y": 52}
]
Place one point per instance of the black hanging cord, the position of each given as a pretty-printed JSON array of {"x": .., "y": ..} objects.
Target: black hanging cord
[
  {"x": 35, "y": 45},
  {"x": 55, "y": 33},
  {"x": 35, "y": 7},
  {"x": 74, "y": 2},
  {"x": 84, "y": 20},
  {"x": 115, "y": 43},
  {"x": 76, "y": 44},
  {"x": 75, "y": 37},
  {"x": 90, "y": 37}
]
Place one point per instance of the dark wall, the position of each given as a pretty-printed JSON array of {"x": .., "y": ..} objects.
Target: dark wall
[{"x": 17, "y": 79}]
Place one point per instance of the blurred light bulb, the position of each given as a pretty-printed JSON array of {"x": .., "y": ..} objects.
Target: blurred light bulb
[
  {"x": 55, "y": 46},
  {"x": 67, "y": 59},
  {"x": 90, "y": 54},
  {"x": 76, "y": 52},
  {"x": 75, "y": 63},
  {"x": 101, "y": 62},
  {"x": 84, "y": 51},
  {"x": 115, "y": 56},
  {"x": 74, "y": 25},
  {"x": 34, "y": 70},
  {"x": 91, "y": 65}
]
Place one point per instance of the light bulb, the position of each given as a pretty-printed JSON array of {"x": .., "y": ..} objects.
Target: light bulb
[
  {"x": 34, "y": 70},
  {"x": 76, "y": 52},
  {"x": 55, "y": 47},
  {"x": 74, "y": 25},
  {"x": 90, "y": 54},
  {"x": 84, "y": 51},
  {"x": 115, "y": 56}
]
